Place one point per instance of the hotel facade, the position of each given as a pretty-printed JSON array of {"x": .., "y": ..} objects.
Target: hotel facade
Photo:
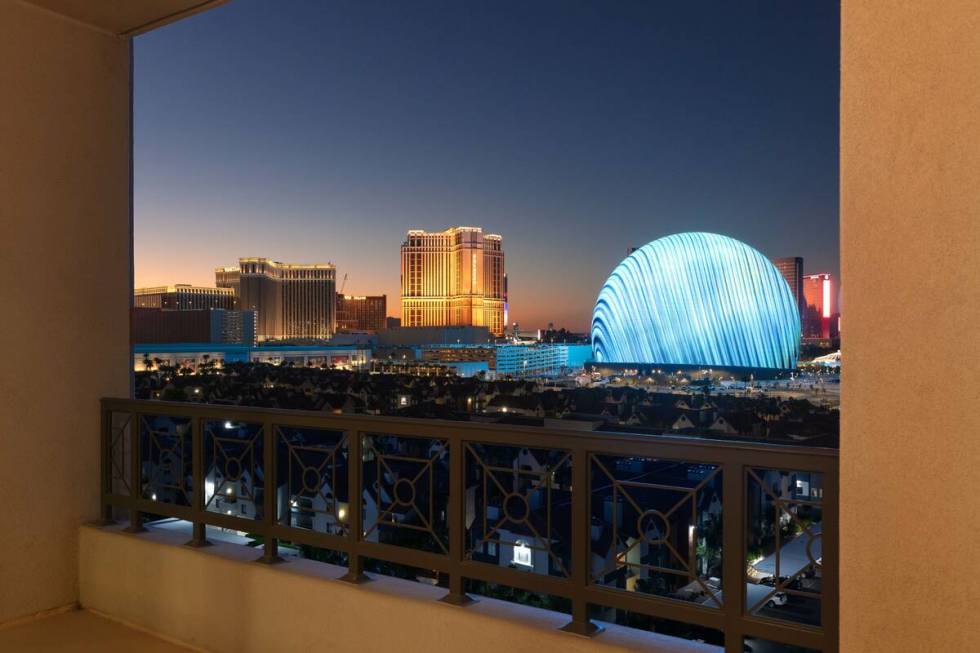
[
  {"x": 291, "y": 300},
  {"x": 362, "y": 313},
  {"x": 183, "y": 297},
  {"x": 791, "y": 267},
  {"x": 453, "y": 278},
  {"x": 819, "y": 320}
]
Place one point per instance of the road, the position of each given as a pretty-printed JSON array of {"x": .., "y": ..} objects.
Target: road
[{"x": 792, "y": 555}]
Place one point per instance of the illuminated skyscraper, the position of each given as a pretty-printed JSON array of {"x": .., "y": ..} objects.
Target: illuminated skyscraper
[
  {"x": 453, "y": 278},
  {"x": 792, "y": 270},
  {"x": 818, "y": 295},
  {"x": 291, "y": 300}
]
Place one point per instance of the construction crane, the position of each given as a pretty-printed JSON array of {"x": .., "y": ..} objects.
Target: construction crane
[{"x": 342, "y": 284}]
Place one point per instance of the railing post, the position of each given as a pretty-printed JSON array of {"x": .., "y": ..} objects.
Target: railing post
[
  {"x": 733, "y": 553},
  {"x": 199, "y": 532},
  {"x": 581, "y": 543},
  {"x": 135, "y": 476},
  {"x": 830, "y": 565},
  {"x": 105, "y": 486},
  {"x": 457, "y": 507},
  {"x": 270, "y": 544},
  {"x": 355, "y": 464}
]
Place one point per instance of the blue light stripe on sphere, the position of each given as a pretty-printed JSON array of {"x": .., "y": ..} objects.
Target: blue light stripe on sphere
[{"x": 697, "y": 299}]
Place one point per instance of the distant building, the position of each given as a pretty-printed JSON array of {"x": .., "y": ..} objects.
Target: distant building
[
  {"x": 193, "y": 354},
  {"x": 433, "y": 335},
  {"x": 233, "y": 327},
  {"x": 820, "y": 320},
  {"x": 157, "y": 325},
  {"x": 393, "y": 322},
  {"x": 792, "y": 270},
  {"x": 184, "y": 297},
  {"x": 460, "y": 354},
  {"x": 517, "y": 360},
  {"x": 291, "y": 300},
  {"x": 453, "y": 278},
  {"x": 229, "y": 277},
  {"x": 361, "y": 313},
  {"x": 540, "y": 359},
  {"x": 423, "y": 368}
]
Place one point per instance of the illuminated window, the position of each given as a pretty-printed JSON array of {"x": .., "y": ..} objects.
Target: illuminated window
[{"x": 522, "y": 554}]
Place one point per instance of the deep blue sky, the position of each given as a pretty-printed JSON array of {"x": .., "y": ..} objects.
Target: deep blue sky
[{"x": 316, "y": 131}]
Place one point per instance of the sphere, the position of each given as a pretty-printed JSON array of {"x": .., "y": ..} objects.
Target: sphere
[{"x": 697, "y": 299}]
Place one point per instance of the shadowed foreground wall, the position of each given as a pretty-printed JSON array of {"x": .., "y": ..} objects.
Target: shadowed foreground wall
[
  {"x": 910, "y": 248},
  {"x": 64, "y": 289},
  {"x": 219, "y": 599}
]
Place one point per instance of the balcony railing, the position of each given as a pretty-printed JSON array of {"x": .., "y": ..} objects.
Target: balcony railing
[{"x": 734, "y": 537}]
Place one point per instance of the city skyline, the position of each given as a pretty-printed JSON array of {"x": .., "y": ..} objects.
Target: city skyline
[{"x": 590, "y": 129}]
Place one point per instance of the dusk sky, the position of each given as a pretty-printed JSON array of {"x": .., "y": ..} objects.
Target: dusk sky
[{"x": 321, "y": 131}]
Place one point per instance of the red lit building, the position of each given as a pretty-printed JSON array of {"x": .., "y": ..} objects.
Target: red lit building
[{"x": 820, "y": 315}]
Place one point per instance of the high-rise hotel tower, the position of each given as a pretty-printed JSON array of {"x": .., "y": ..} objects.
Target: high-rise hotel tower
[
  {"x": 791, "y": 268},
  {"x": 821, "y": 318},
  {"x": 291, "y": 300},
  {"x": 453, "y": 278}
]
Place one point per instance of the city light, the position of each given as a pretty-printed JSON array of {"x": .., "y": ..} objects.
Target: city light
[
  {"x": 826, "y": 296},
  {"x": 522, "y": 554}
]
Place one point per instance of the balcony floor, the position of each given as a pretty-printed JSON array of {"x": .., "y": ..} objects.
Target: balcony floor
[{"x": 81, "y": 631}]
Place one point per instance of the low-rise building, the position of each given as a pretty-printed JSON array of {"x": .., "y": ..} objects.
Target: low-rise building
[
  {"x": 184, "y": 297},
  {"x": 158, "y": 325}
]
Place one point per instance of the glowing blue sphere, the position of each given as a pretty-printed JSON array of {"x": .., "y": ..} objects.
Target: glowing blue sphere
[{"x": 697, "y": 299}]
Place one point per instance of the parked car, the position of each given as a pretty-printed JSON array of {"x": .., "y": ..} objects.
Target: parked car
[
  {"x": 777, "y": 599},
  {"x": 771, "y": 580}
]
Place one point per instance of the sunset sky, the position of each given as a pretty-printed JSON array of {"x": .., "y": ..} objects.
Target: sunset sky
[{"x": 314, "y": 131}]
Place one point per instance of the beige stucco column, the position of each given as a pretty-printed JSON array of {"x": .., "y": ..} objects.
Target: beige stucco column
[
  {"x": 65, "y": 280},
  {"x": 910, "y": 246},
  {"x": 65, "y": 273}
]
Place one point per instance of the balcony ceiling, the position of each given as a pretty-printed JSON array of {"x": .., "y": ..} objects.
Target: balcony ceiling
[{"x": 127, "y": 17}]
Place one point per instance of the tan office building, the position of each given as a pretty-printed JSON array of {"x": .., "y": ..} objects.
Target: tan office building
[
  {"x": 292, "y": 301},
  {"x": 453, "y": 278}
]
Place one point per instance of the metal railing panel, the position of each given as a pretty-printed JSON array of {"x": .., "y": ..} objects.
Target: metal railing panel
[{"x": 653, "y": 525}]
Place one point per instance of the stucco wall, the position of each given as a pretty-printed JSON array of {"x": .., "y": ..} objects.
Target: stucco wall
[
  {"x": 910, "y": 245},
  {"x": 64, "y": 289},
  {"x": 219, "y": 599}
]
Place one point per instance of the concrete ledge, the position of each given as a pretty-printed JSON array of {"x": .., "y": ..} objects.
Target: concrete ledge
[{"x": 219, "y": 599}]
